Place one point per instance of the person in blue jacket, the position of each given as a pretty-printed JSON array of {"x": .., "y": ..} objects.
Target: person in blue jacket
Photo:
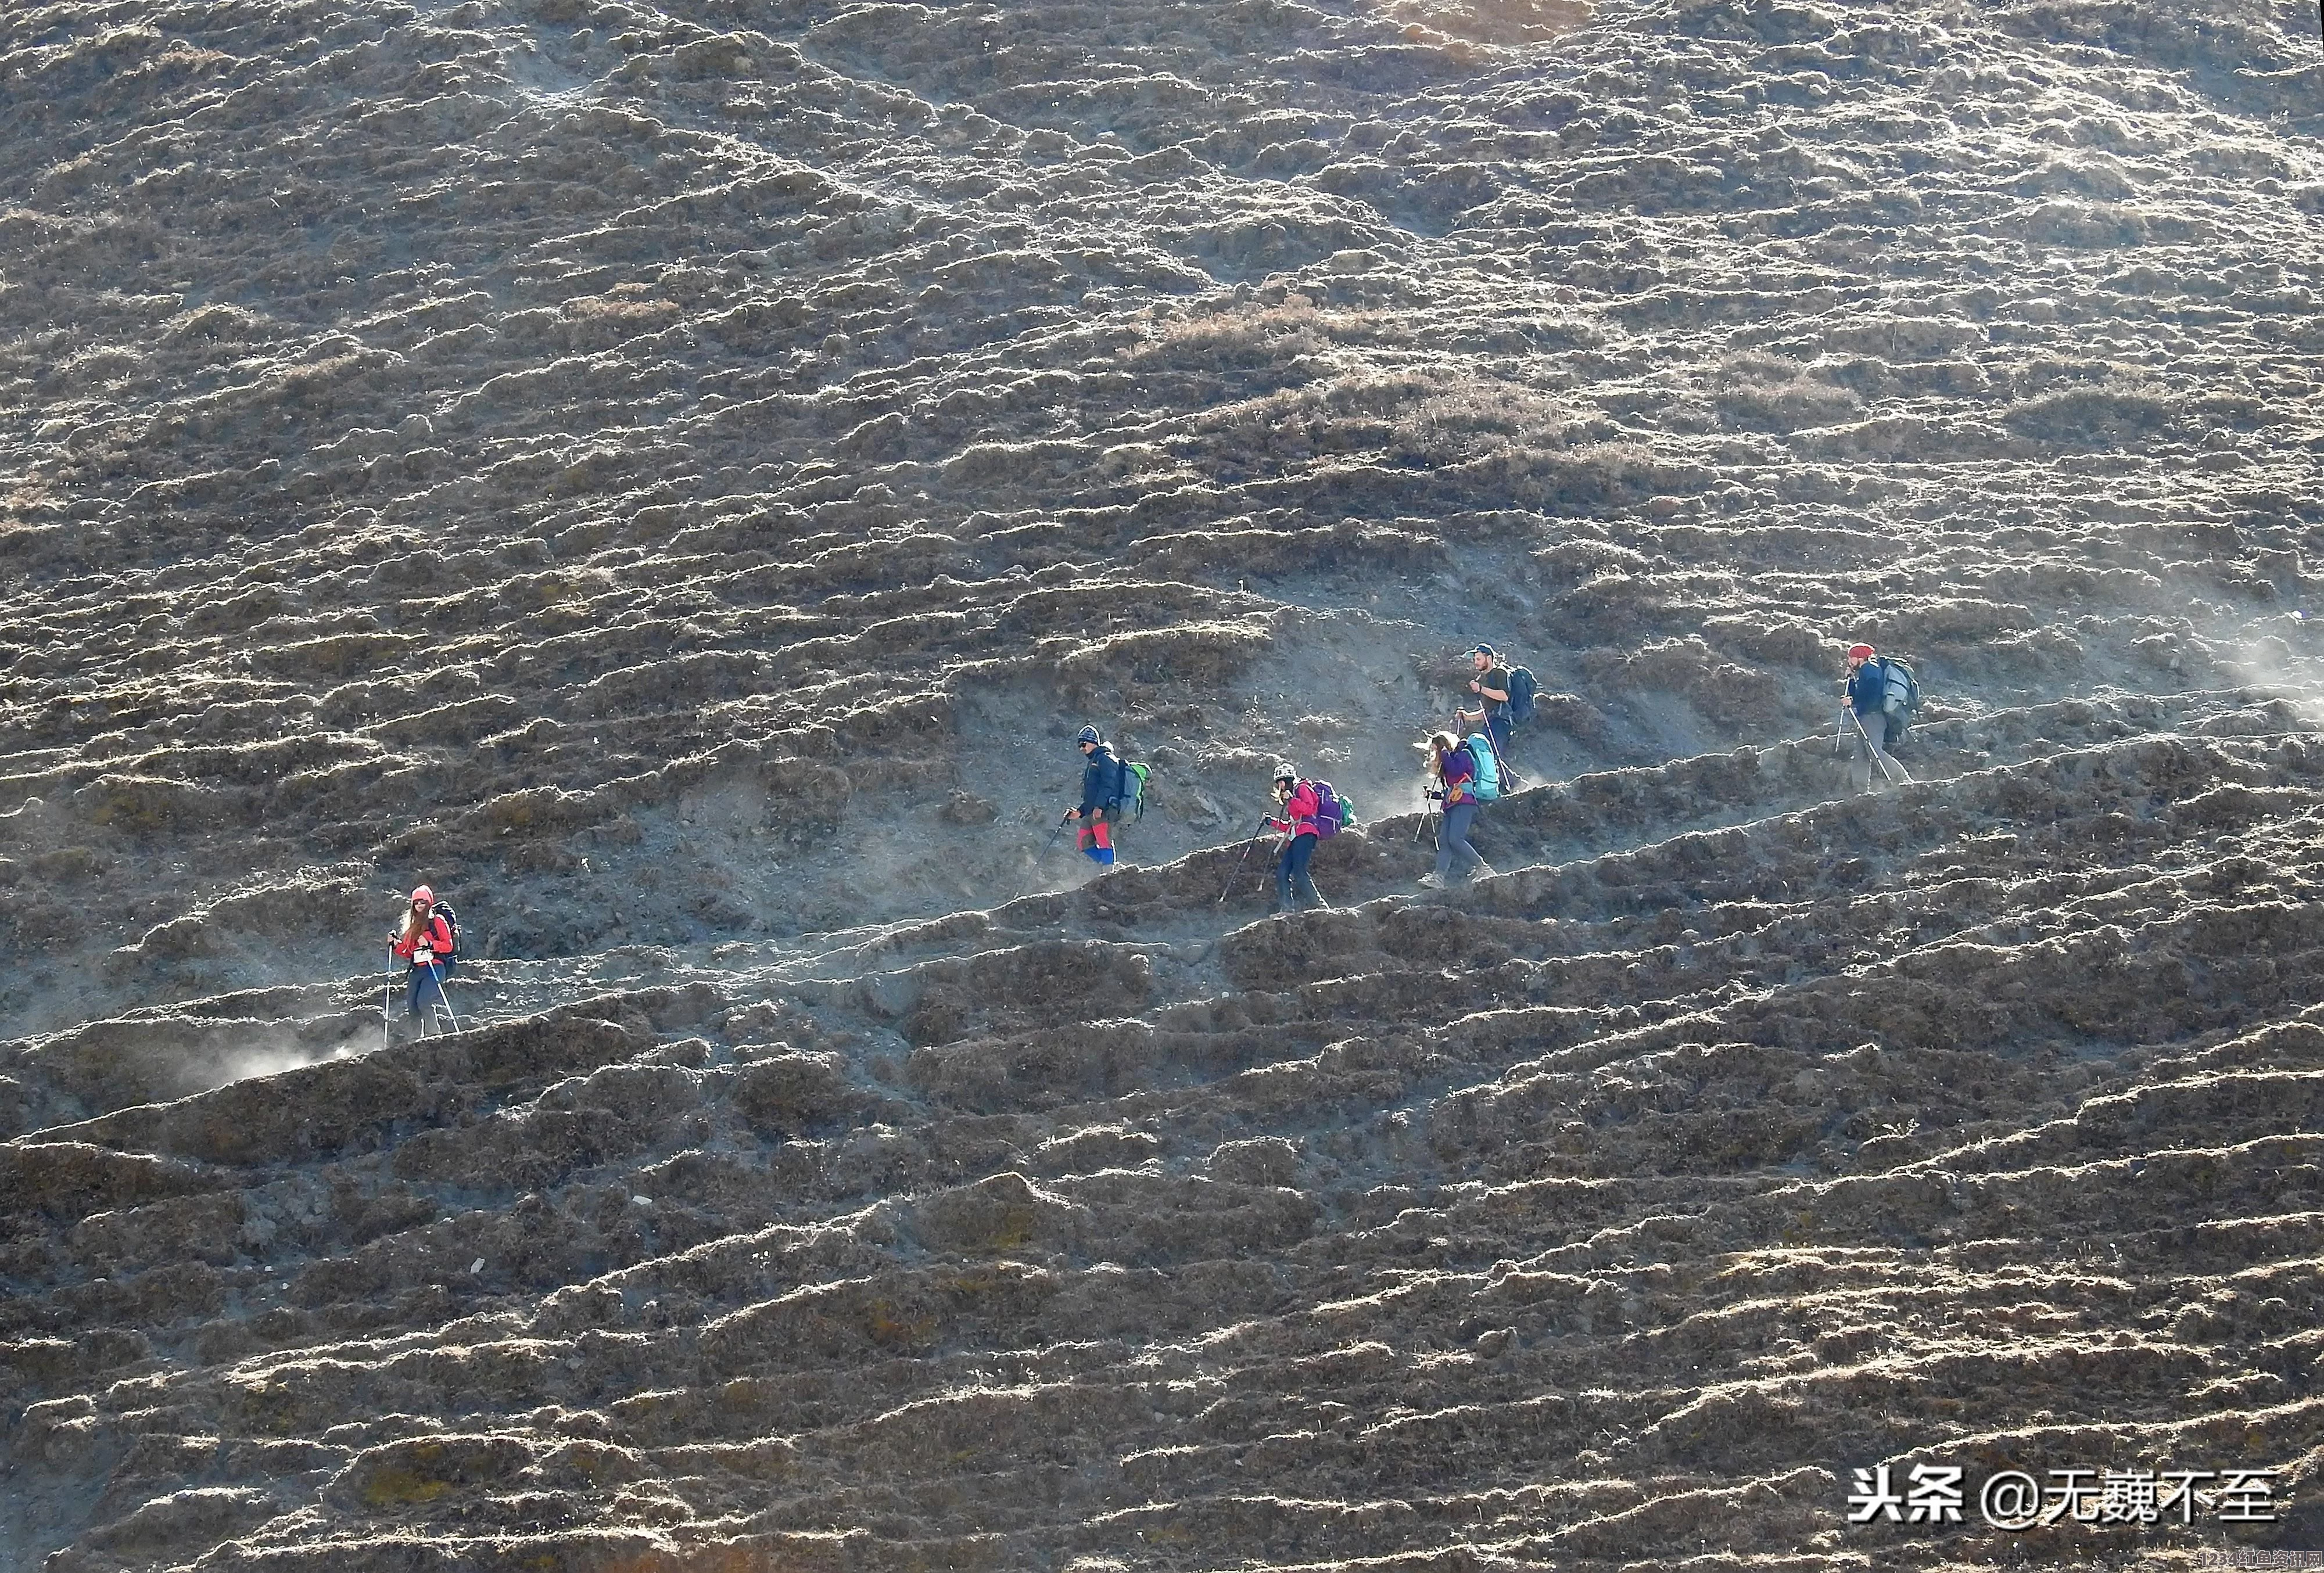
[
  {"x": 1865, "y": 698},
  {"x": 1100, "y": 796}
]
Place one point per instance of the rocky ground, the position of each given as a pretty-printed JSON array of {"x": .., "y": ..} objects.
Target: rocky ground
[{"x": 674, "y": 478}]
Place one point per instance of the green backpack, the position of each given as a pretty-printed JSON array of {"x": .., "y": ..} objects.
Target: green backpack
[{"x": 1131, "y": 803}]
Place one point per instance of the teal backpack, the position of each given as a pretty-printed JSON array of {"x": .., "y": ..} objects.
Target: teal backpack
[{"x": 1487, "y": 783}]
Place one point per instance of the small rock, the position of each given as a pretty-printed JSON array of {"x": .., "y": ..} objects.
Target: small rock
[{"x": 965, "y": 808}]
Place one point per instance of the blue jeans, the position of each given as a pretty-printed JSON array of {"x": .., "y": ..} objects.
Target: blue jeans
[
  {"x": 428, "y": 987},
  {"x": 1293, "y": 888},
  {"x": 1453, "y": 842}
]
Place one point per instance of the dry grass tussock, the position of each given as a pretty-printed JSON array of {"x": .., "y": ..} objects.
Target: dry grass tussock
[
  {"x": 624, "y": 302},
  {"x": 1415, "y": 421},
  {"x": 2106, "y": 414},
  {"x": 1494, "y": 22},
  {"x": 1193, "y": 652},
  {"x": 1249, "y": 333},
  {"x": 1755, "y": 391}
]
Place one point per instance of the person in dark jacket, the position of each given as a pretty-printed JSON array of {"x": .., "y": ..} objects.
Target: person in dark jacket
[
  {"x": 1100, "y": 796},
  {"x": 1455, "y": 770},
  {"x": 1491, "y": 687},
  {"x": 425, "y": 940},
  {"x": 1865, "y": 702},
  {"x": 1294, "y": 888}
]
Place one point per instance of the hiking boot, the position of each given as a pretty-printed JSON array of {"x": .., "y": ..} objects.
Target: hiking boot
[
  {"x": 1483, "y": 870},
  {"x": 1431, "y": 882}
]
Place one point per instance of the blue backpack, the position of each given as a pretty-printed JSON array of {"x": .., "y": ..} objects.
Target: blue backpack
[
  {"x": 1485, "y": 783},
  {"x": 1522, "y": 690}
]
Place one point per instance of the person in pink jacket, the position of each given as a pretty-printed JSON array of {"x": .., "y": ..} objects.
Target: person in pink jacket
[
  {"x": 426, "y": 939},
  {"x": 1293, "y": 888}
]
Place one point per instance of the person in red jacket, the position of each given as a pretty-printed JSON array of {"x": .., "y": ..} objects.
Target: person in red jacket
[
  {"x": 1293, "y": 886},
  {"x": 426, "y": 941}
]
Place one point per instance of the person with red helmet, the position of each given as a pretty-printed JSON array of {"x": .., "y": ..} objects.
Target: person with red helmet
[
  {"x": 426, "y": 939},
  {"x": 1864, "y": 705}
]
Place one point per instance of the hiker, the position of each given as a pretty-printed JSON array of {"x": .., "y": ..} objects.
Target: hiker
[
  {"x": 1293, "y": 886},
  {"x": 1864, "y": 713},
  {"x": 1452, "y": 766},
  {"x": 1100, "y": 794},
  {"x": 426, "y": 941},
  {"x": 1491, "y": 687}
]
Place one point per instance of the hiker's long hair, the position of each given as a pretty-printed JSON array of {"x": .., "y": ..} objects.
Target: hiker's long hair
[
  {"x": 1439, "y": 745},
  {"x": 413, "y": 922}
]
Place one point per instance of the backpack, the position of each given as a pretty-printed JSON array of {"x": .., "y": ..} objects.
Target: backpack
[
  {"x": 1904, "y": 699},
  {"x": 1128, "y": 798},
  {"x": 1330, "y": 811},
  {"x": 1129, "y": 794},
  {"x": 1485, "y": 783},
  {"x": 445, "y": 959},
  {"x": 1522, "y": 689}
]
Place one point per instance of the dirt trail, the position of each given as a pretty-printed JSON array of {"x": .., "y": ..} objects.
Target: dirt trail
[{"x": 675, "y": 478}]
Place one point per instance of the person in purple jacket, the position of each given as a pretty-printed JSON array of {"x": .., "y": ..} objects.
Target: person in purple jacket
[{"x": 1453, "y": 767}]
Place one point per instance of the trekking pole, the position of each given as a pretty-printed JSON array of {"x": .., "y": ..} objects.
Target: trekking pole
[
  {"x": 387, "y": 1002},
  {"x": 1840, "y": 732},
  {"x": 1510, "y": 780},
  {"x": 443, "y": 999},
  {"x": 1879, "y": 755},
  {"x": 1235, "y": 873},
  {"x": 1040, "y": 857},
  {"x": 1432, "y": 814}
]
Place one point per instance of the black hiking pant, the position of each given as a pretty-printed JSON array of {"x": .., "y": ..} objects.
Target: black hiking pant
[{"x": 1293, "y": 888}]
